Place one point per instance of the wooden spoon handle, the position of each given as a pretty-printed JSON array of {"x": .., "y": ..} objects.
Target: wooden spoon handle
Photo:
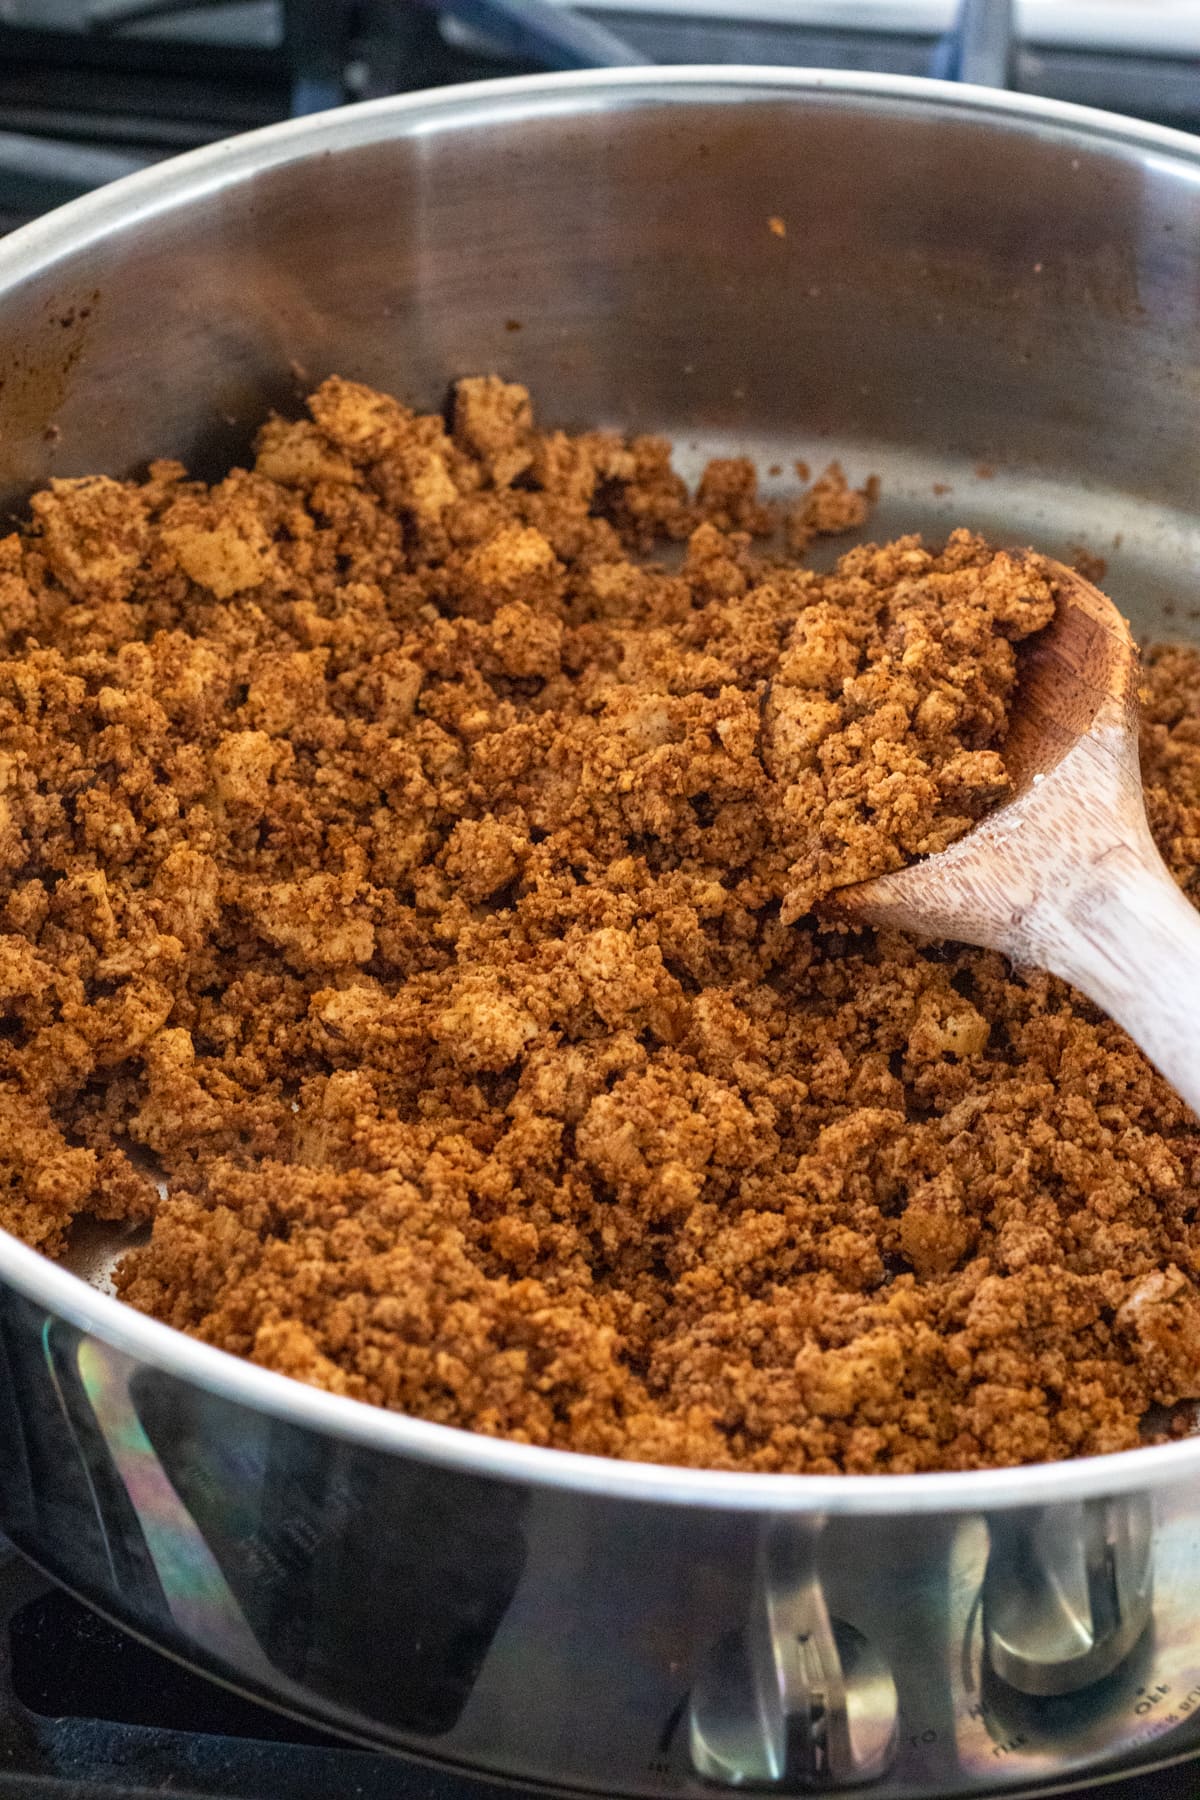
[{"x": 1131, "y": 942}]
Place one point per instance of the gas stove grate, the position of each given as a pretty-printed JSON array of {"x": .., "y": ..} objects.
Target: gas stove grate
[{"x": 88, "y": 1712}]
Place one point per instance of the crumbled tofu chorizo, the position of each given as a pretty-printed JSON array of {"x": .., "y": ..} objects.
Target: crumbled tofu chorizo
[{"x": 426, "y": 883}]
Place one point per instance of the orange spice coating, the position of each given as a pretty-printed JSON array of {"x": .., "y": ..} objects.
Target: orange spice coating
[{"x": 426, "y": 885}]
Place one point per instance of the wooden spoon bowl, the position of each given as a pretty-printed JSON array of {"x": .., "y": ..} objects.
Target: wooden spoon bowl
[{"x": 1065, "y": 875}]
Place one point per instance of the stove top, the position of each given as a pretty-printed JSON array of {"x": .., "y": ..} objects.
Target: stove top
[{"x": 88, "y": 1712}]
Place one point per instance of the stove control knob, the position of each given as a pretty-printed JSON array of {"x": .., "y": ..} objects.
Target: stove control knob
[
  {"x": 1067, "y": 1593},
  {"x": 796, "y": 1699}
]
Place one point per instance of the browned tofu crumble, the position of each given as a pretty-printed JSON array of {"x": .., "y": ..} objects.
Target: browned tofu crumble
[{"x": 422, "y": 883}]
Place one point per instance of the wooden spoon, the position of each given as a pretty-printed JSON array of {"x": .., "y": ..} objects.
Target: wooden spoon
[{"x": 1065, "y": 875}]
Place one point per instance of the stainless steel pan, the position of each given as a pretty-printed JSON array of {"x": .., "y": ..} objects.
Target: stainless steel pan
[{"x": 995, "y": 293}]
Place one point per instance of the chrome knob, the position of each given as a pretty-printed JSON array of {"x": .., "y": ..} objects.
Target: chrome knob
[
  {"x": 796, "y": 1698},
  {"x": 1067, "y": 1593}
]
